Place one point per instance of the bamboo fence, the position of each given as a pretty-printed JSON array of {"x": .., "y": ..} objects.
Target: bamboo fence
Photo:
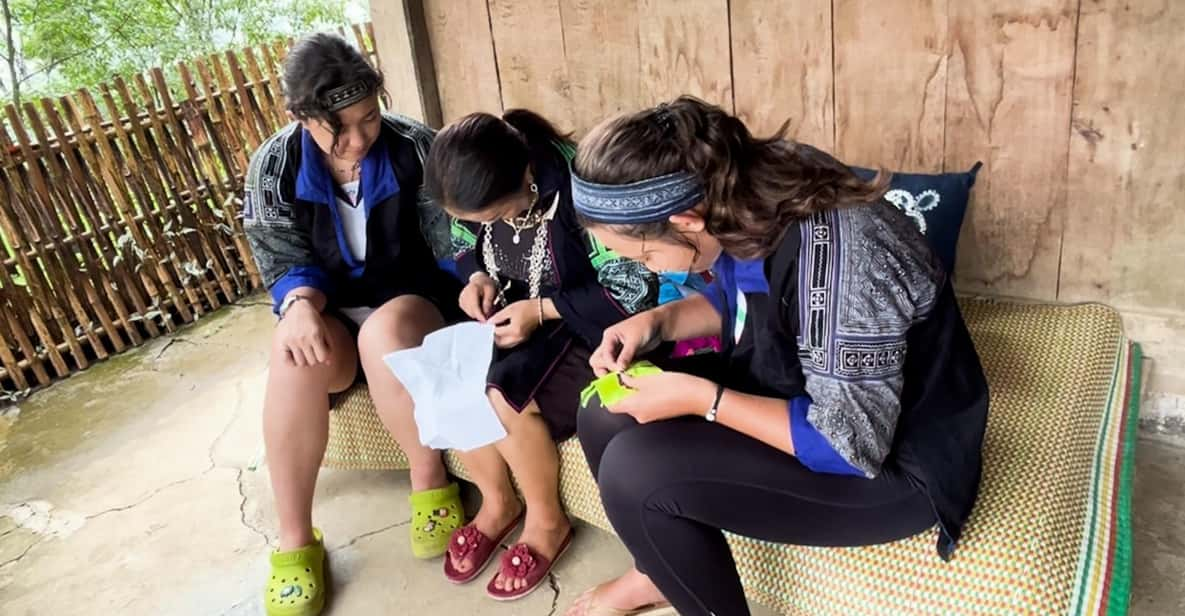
[{"x": 119, "y": 210}]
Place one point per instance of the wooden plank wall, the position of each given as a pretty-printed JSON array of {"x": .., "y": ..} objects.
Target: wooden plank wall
[
  {"x": 1124, "y": 236},
  {"x": 1074, "y": 106}
]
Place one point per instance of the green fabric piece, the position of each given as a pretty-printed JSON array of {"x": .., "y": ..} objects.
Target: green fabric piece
[{"x": 610, "y": 390}]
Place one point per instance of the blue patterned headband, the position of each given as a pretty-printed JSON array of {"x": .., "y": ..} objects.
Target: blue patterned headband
[{"x": 649, "y": 200}]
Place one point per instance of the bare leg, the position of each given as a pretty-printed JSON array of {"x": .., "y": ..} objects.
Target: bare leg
[
  {"x": 499, "y": 504},
  {"x": 399, "y": 324},
  {"x": 533, "y": 458},
  {"x": 296, "y": 428}
]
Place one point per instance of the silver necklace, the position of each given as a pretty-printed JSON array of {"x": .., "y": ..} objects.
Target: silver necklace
[
  {"x": 354, "y": 171},
  {"x": 535, "y": 262},
  {"x": 528, "y": 219}
]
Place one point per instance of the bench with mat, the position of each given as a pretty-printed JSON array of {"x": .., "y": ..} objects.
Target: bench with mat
[{"x": 1051, "y": 532}]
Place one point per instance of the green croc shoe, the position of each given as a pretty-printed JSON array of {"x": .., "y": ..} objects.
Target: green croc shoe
[
  {"x": 297, "y": 583},
  {"x": 435, "y": 514}
]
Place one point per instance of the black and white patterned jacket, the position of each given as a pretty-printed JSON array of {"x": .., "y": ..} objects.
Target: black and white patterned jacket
[{"x": 292, "y": 224}]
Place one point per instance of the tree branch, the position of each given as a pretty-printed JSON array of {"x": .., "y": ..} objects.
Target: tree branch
[
  {"x": 53, "y": 64},
  {"x": 175, "y": 9},
  {"x": 11, "y": 59}
]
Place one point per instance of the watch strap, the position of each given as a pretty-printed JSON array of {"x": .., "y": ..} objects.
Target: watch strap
[{"x": 289, "y": 302}]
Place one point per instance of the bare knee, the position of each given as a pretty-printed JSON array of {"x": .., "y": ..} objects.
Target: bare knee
[
  {"x": 333, "y": 376},
  {"x": 399, "y": 324}
]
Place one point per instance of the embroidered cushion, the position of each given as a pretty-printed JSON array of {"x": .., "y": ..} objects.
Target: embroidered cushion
[{"x": 936, "y": 202}]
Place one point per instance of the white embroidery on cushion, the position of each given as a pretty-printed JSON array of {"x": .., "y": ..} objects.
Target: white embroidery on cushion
[{"x": 914, "y": 205}]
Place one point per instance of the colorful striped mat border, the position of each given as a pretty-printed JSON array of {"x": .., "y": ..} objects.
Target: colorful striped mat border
[{"x": 1105, "y": 565}]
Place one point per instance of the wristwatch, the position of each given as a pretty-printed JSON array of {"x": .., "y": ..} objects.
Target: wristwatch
[
  {"x": 710, "y": 416},
  {"x": 289, "y": 301}
]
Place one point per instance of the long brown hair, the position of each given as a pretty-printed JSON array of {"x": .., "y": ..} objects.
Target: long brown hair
[{"x": 755, "y": 188}]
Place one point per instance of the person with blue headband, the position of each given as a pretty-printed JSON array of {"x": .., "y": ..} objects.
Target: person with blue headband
[{"x": 848, "y": 406}]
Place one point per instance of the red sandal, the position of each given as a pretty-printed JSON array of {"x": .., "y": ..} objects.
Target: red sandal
[
  {"x": 520, "y": 561},
  {"x": 468, "y": 541}
]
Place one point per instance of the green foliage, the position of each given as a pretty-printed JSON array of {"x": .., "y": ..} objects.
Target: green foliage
[{"x": 66, "y": 44}]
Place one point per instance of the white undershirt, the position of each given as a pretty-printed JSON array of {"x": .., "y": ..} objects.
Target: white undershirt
[{"x": 353, "y": 217}]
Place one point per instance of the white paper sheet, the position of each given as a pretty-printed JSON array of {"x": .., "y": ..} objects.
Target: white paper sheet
[{"x": 446, "y": 378}]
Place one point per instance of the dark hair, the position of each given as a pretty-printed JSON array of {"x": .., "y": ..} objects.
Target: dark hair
[
  {"x": 317, "y": 64},
  {"x": 755, "y": 188},
  {"x": 481, "y": 158}
]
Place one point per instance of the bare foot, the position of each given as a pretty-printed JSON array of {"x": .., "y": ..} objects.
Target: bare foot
[
  {"x": 632, "y": 591},
  {"x": 493, "y": 517},
  {"x": 544, "y": 536}
]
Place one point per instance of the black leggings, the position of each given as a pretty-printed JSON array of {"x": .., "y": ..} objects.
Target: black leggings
[{"x": 670, "y": 487}]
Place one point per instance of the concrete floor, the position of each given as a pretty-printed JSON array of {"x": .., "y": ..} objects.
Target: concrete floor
[{"x": 137, "y": 488}]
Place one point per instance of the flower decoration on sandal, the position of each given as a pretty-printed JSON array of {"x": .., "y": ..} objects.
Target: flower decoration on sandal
[
  {"x": 517, "y": 562},
  {"x": 465, "y": 541}
]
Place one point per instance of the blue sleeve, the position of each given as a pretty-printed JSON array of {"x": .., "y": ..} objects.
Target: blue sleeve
[
  {"x": 812, "y": 448},
  {"x": 296, "y": 277}
]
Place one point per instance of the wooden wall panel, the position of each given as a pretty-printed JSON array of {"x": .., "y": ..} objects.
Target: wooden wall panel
[
  {"x": 1008, "y": 104},
  {"x": 1125, "y": 225},
  {"x": 532, "y": 57},
  {"x": 604, "y": 67},
  {"x": 890, "y": 82},
  {"x": 463, "y": 53},
  {"x": 684, "y": 49},
  {"x": 1074, "y": 106},
  {"x": 405, "y": 57},
  {"x": 782, "y": 67}
]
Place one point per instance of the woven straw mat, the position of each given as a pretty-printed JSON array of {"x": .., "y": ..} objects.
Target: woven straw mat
[{"x": 1043, "y": 537}]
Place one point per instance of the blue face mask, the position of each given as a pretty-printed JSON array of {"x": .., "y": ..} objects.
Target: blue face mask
[
  {"x": 676, "y": 277},
  {"x": 685, "y": 277}
]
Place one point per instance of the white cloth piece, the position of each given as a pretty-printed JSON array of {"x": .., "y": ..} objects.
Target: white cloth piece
[
  {"x": 353, "y": 217},
  {"x": 446, "y": 378}
]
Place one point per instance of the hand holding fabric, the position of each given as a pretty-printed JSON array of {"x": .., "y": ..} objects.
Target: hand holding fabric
[
  {"x": 478, "y": 297},
  {"x": 515, "y": 323},
  {"x": 625, "y": 341},
  {"x": 665, "y": 396}
]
